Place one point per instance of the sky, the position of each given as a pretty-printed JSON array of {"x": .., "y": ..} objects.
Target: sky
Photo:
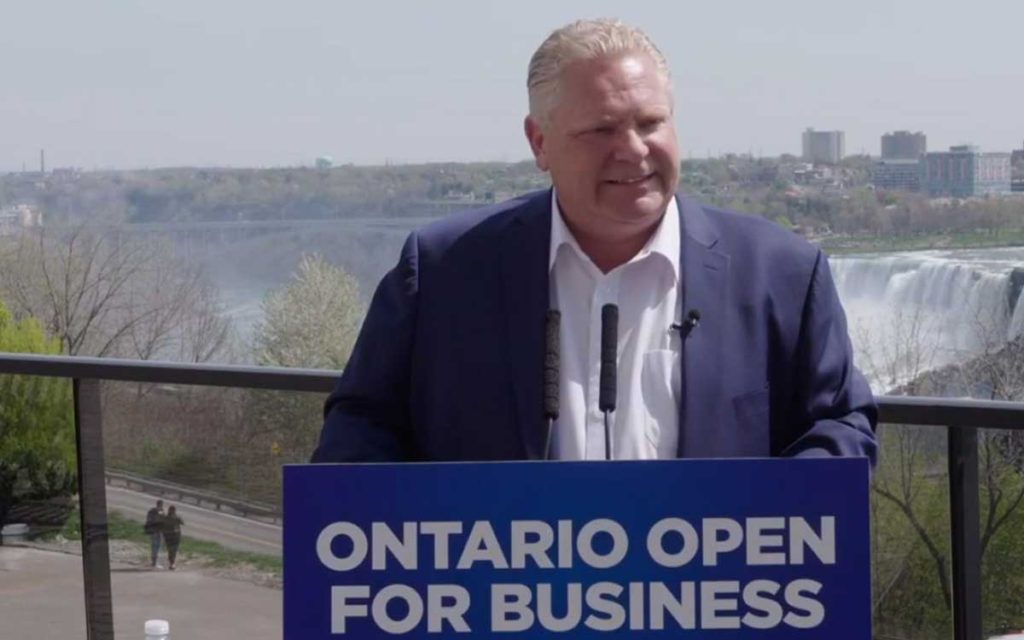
[{"x": 127, "y": 84}]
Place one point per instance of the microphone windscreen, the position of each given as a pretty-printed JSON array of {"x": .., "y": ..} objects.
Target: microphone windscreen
[
  {"x": 609, "y": 356},
  {"x": 552, "y": 363}
]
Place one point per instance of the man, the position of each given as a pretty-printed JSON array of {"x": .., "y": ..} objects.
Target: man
[
  {"x": 171, "y": 528},
  {"x": 732, "y": 341},
  {"x": 154, "y": 529}
]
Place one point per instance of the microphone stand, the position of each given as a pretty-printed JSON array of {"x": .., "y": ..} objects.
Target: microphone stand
[
  {"x": 552, "y": 363},
  {"x": 608, "y": 374}
]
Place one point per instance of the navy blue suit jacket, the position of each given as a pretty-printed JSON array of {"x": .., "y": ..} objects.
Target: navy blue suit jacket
[{"x": 449, "y": 362}]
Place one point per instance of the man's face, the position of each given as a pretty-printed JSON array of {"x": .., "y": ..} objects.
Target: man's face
[{"x": 610, "y": 145}]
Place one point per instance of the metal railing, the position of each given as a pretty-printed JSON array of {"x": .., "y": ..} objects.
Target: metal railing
[
  {"x": 191, "y": 495},
  {"x": 961, "y": 418}
]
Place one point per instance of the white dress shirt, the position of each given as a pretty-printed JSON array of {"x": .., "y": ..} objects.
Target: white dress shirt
[{"x": 645, "y": 423}]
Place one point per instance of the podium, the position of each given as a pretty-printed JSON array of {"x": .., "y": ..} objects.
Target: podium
[{"x": 730, "y": 549}]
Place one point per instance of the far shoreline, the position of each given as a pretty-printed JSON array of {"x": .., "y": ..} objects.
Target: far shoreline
[{"x": 848, "y": 245}]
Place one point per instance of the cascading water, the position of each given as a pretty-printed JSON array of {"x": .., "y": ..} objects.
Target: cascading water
[{"x": 912, "y": 312}]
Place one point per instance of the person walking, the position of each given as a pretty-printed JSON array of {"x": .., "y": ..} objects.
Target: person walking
[
  {"x": 154, "y": 529},
  {"x": 172, "y": 535}
]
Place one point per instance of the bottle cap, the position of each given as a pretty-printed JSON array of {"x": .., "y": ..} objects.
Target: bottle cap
[{"x": 157, "y": 628}]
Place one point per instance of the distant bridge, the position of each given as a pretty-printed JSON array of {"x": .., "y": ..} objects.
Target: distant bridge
[
  {"x": 200, "y": 238},
  {"x": 263, "y": 226}
]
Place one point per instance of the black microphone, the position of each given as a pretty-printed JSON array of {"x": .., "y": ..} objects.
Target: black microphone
[
  {"x": 609, "y": 363},
  {"x": 552, "y": 322},
  {"x": 689, "y": 324}
]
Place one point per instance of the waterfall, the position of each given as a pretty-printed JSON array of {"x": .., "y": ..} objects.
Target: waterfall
[{"x": 912, "y": 312}]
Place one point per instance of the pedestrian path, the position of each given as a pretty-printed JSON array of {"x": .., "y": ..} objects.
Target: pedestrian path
[{"x": 41, "y": 596}]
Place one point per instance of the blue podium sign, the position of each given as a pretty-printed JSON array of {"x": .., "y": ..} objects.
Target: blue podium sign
[{"x": 724, "y": 549}]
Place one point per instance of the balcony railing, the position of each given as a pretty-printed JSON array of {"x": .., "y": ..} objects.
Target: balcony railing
[{"x": 961, "y": 418}]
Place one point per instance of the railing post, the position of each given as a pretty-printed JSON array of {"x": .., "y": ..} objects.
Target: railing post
[
  {"x": 966, "y": 543},
  {"x": 92, "y": 490}
]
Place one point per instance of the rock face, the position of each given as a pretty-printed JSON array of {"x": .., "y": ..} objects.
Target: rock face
[{"x": 1016, "y": 284}]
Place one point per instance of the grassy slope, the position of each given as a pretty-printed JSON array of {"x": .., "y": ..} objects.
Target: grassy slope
[{"x": 211, "y": 553}]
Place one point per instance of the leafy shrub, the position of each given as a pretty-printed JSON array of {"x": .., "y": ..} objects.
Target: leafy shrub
[{"x": 37, "y": 434}]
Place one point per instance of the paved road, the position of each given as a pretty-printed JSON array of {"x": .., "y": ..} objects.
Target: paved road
[{"x": 231, "y": 531}]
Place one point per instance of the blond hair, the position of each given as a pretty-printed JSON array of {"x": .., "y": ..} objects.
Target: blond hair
[{"x": 582, "y": 40}]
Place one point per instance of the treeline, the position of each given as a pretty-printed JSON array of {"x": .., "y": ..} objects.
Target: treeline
[
  {"x": 835, "y": 200},
  {"x": 196, "y": 194}
]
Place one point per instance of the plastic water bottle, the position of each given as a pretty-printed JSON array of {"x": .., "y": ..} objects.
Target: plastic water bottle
[{"x": 157, "y": 630}]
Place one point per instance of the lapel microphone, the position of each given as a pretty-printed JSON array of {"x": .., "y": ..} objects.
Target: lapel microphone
[{"x": 689, "y": 324}]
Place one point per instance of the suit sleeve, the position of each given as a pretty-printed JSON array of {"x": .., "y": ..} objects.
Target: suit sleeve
[
  {"x": 834, "y": 410},
  {"x": 367, "y": 416}
]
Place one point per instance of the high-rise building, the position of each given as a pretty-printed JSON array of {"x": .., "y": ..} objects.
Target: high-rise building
[
  {"x": 904, "y": 145},
  {"x": 964, "y": 172},
  {"x": 896, "y": 175},
  {"x": 1017, "y": 170},
  {"x": 825, "y": 147}
]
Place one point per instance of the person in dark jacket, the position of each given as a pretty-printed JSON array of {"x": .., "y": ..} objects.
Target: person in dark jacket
[
  {"x": 154, "y": 529},
  {"x": 448, "y": 365},
  {"x": 172, "y": 535}
]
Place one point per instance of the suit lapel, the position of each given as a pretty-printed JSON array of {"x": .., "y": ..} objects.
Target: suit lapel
[
  {"x": 705, "y": 280},
  {"x": 524, "y": 261}
]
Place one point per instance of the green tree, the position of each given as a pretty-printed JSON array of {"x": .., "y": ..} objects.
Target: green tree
[
  {"x": 310, "y": 322},
  {"x": 37, "y": 435}
]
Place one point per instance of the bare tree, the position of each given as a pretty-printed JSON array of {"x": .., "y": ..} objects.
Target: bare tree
[
  {"x": 895, "y": 360},
  {"x": 900, "y": 480},
  {"x": 997, "y": 374},
  {"x": 911, "y": 458},
  {"x": 104, "y": 295}
]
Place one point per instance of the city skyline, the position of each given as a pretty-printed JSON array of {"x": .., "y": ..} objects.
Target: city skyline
[
  {"x": 326, "y": 161},
  {"x": 112, "y": 86}
]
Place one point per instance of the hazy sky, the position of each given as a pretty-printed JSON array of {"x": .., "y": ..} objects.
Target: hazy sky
[{"x": 128, "y": 83}]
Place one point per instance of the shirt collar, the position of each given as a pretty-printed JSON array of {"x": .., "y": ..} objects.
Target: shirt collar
[{"x": 664, "y": 242}]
